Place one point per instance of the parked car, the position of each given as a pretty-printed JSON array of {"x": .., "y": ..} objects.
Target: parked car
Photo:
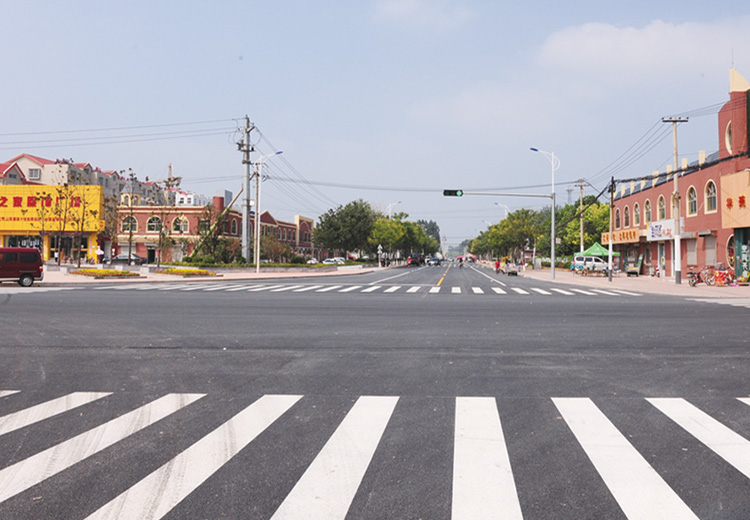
[
  {"x": 21, "y": 264},
  {"x": 589, "y": 263},
  {"x": 334, "y": 261},
  {"x": 122, "y": 258},
  {"x": 415, "y": 259},
  {"x": 313, "y": 261},
  {"x": 433, "y": 261}
]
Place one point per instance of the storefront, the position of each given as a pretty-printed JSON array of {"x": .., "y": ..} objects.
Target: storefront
[
  {"x": 60, "y": 221},
  {"x": 735, "y": 215}
]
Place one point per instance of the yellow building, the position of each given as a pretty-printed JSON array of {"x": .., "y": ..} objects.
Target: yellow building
[{"x": 55, "y": 219}]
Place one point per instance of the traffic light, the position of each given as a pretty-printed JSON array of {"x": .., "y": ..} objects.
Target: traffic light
[{"x": 453, "y": 193}]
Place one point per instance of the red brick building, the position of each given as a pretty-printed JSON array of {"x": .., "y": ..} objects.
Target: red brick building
[{"x": 713, "y": 198}]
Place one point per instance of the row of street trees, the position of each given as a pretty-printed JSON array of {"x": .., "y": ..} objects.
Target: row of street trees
[
  {"x": 356, "y": 226},
  {"x": 529, "y": 229}
]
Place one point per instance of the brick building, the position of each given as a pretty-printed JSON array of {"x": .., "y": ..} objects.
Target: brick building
[{"x": 713, "y": 203}]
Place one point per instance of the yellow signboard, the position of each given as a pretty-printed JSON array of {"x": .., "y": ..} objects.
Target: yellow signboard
[
  {"x": 35, "y": 209},
  {"x": 622, "y": 236}
]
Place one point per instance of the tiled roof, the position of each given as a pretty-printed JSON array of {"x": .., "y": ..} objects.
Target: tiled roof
[{"x": 38, "y": 160}]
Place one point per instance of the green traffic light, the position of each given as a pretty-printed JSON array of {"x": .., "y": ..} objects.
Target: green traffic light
[{"x": 453, "y": 193}]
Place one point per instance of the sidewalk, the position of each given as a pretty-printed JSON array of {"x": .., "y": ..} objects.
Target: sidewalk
[{"x": 644, "y": 284}]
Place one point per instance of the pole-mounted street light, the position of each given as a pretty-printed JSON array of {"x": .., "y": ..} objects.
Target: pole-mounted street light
[
  {"x": 555, "y": 164},
  {"x": 507, "y": 210},
  {"x": 389, "y": 209},
  {"x": 258, "y": 180}
]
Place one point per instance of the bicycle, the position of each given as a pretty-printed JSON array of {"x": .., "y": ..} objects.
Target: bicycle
[{"x": 705, "y": 275}]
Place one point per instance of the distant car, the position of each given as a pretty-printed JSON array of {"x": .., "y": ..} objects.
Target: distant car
[
  {"x": 313, "y": 261},
  {"x": 415, "y": 259},
  {"x": 433, "y": 261},
  {"x": 334, "y": 261},
  {"x": 133, "y": 259}
]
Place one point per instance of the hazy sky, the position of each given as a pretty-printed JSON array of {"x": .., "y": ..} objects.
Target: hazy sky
[{"x": 384, "y": 100}]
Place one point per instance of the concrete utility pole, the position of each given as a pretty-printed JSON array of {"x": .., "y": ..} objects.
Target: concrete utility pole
[
  {"x": 677, "y": 255},
  {"x": 580, "y": 210},
  {"x": 612, "y": 190},
  {"x": 245, "y": 147}
]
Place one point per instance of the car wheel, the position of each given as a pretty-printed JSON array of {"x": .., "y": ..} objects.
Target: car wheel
[{"x": 26, "y": 280}]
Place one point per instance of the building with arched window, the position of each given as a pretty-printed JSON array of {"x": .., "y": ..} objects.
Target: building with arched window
[{"x": 714, "y": 224}]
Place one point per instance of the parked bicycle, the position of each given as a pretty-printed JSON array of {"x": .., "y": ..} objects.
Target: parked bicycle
[{"x": 705, "y": 275}]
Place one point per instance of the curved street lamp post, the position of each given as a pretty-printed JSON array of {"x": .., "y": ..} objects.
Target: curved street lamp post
[{"x": 555, "y": 164}]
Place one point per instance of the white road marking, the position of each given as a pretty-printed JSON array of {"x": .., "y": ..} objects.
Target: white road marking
[
  {"x": 477, "y": 290},
  {"x": 286, "y": 288},
  {"x": 519, "y": 291},
  {"x": 371, "y": 289},
  {"x": 498, "y": 290},
  {"x": 220, "y": 287},
  {"x": 455, "y": 290},
  {"x": 587, "y": 293},
  {"x": 330, "y": 288},
  {"x": 563, "y": 291},
  {"x": 29, "y": 472},
  {"x": 639, "y": 490},
  {"x": 393, "y": 289},
  {"x": 264, "y": 288},
  {"x": 626, "y": 293},
  {"x": 350, "y": 289},
  {"x": 325, "y": 491},
  {"x": 308, "y": 288},
  {"x": 541, "y": 291},
  {"x": 3, "y": 393},
  {"x": 23, "y": 418},
  {"x": 242, "y": 287},
  {"x": 412, "y": 290},
  {"x": 601, "y": 291},
  {"x": 483, "y": 485},
  {"x": 729, "y": 445},
  {"x": 156, "y": 495},
  {"x": 434, "y": 290}
]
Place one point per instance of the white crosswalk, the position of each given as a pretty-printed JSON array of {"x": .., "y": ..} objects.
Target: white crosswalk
[
  {"x": 483, "y": 478},
  {"x": 369, "y": 289}
]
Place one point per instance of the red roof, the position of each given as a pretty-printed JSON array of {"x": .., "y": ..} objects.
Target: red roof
[{"x": 38, "y": 160}]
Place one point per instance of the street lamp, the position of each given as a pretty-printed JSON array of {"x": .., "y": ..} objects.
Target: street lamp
[
  {"x": 555, "y": 164},
  {"x": 258, "y": 179},
  {"x": 389, "y": 209},
  {"x": 504, "y": 207}
]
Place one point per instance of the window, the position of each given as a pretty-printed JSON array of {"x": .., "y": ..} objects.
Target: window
[
  {"x": 617, "y": 218},
  {"x": 129, "y": 224},
  {"x": 636, "y": 214},
  {"x": 662, "y": 208},
  {"x": 234, "y": 227},
  {"x": 710, "y": 197},
  {"x": 647, "y": 209},
  {"x": 203, "y": 226},
  {"x": 35, "y": 173},
  {"x": 180, "y": 225},
  {"x": 692, "y": 201},
  {"x": 153, "y": 225},
  {"x": 626, "y": 216}
]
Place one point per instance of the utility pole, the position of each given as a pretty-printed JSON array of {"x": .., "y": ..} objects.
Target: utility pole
[
  {"x": 676, "y": 202},
  {"x": 245, "y": 147},
  {"x": 612, "y": 190},
  {"x": 580, "y": 210}
]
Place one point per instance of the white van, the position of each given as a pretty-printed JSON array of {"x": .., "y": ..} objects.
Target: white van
[{"x": 589, "y": 263}]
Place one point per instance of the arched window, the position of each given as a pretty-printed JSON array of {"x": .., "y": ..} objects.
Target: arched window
[
  {"x": 636, "y": 214},
  {"x": 647, "y": 210},
  {"x": 180, "y": 225},
  {"x": 626, "y": 216},
  {"x": 234, "y": 227},
  {"x": 617, "y": 218},
  {"x": 710, "y": 197},
  {"x": 153, "y": 225},
  {"x": 692, "y": 201},
  {"x": 662, "y": 208},
  {"x": 129, "y": 224}
]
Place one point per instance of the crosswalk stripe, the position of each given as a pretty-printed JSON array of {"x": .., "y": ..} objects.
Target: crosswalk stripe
[
  {"x": 541, "y": 291},
  {"x": 563, "y": 291},
  {"x": 326, "y": 489},
  {"x": 581, "y": 291},
  {"x": 626, "y": 293},
  {"x": 483, "y": 485},
  {"x": 171, "y": 287},
  {"x": 393, "y": 289},
  {"x": 477, "y": 290},
  {"x": 149, "y": 287},
  {"x": 4, "y": 393},
  {"x": 729, "y": 445},
  {"x": 371, "y": 289},
  {"x": 242, "y": 287},
  {"x": 219, "y": 287},
  {"x": 519, "y": 291},
  {"x": 264, "y": 288},
  {"x": 350, "y": 289},
  {"x": 23, "y": 418},
  {"x": 639, "y": 490},
  {"x": 602, "y": 291},
  {"x": 498, "y": 290},
  {"x": 412, "y": 290},
  {"x": 286, "y": 288},
  {"x": 183, "y": 474},
  {"x": 194, "y": 287},
  {"x": 308, "y": 288},
  {"x": 455, "y": 290},
  {"x": 330, "y": 288},
  {"x": 434, "y": 290},
  {"x": 29, "y": 472}
]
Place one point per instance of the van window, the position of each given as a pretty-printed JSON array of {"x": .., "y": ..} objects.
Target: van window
[
  {"x": 8, "y": 258},
  {"x": 29, "y": 258}
]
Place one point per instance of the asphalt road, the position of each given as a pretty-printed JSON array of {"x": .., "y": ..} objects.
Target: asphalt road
[{"x": 431, "y": 393}]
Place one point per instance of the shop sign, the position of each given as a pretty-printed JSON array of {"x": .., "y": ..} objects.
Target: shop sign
[
  {"x": 29, "y": 209},
  {"x": 660, "y": 230},
  {"x": 622, "y": 236}
]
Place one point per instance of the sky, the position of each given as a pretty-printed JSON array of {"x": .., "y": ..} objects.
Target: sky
[{"x": 389, "y": 101}]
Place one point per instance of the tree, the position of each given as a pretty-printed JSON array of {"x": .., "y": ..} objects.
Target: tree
[
  {"x": 346, "y": 227},
  {"x": 431, "y": 228}
]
